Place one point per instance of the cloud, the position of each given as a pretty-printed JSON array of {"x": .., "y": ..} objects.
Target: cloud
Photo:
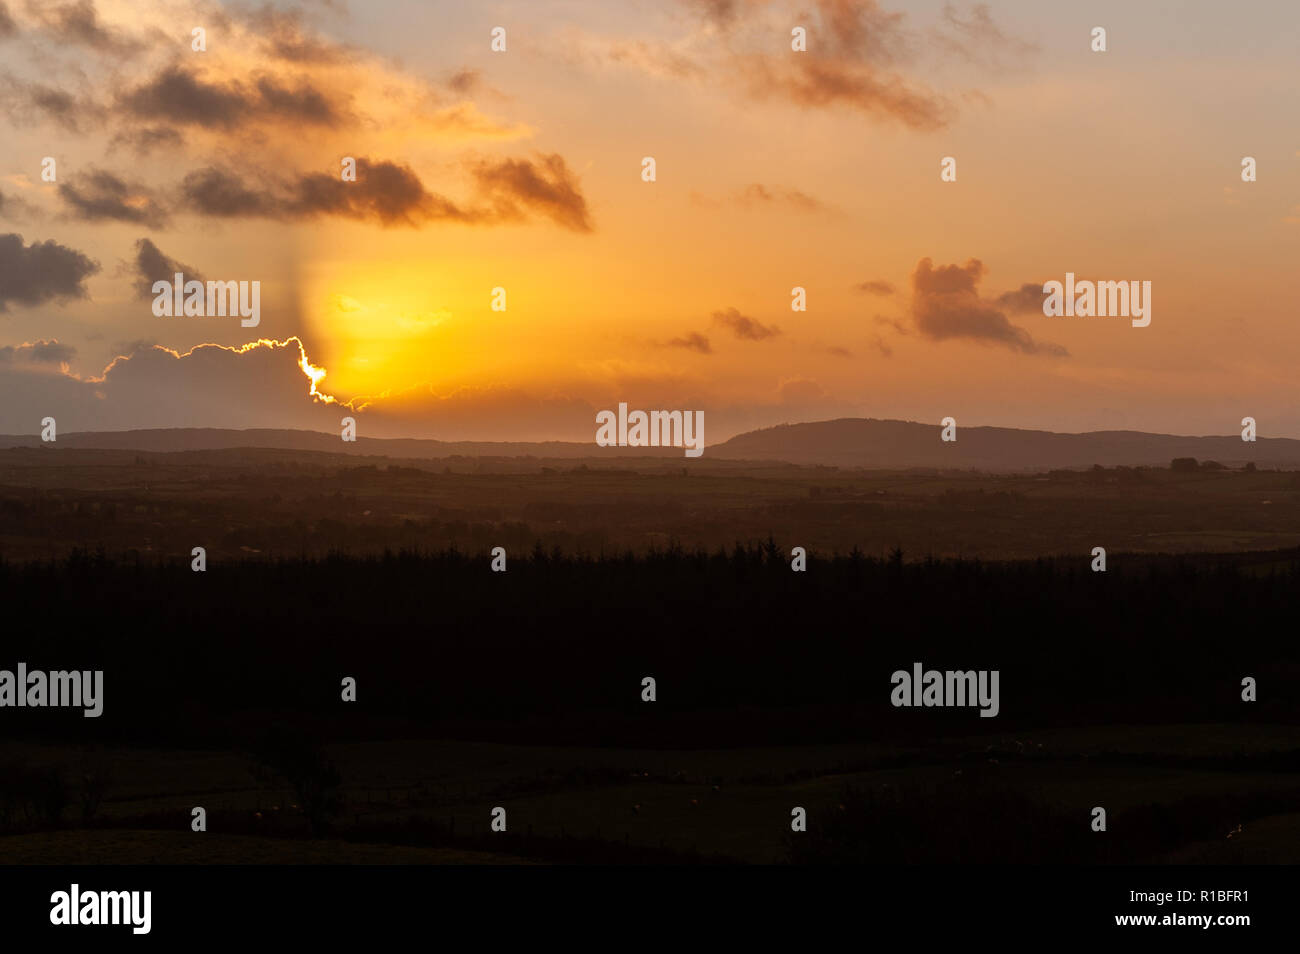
[
  {"x": 692, "y": 342},
  {"x": 101, "y": 196},
  {"x": 222, "y": 194},
  {"x": 181, "y": 96},
  {"x": 40, "y": 272},
  {"x": 392, "y": 194},
  {"x": 147, "y": 139},
  {"x": 73, "y": 113},
  {"x": 946, "y": 304},
  {"x": 720, "y": 12},
  {"x": 744, "y": 327},
  {"x": 39, "y": 352},
  {"x": 7, "y": 25},
  {"x": 1028, "y": 297},
  {"x": 13, "y": 207},
  {"x": 545, "y": 186},
  {"x": 808, "y": 81},
  {"x": 151, "y": 265},
  {"x": 78, "y": 23},
  {"x": 465, "y": 81},
  {"x": 285, "y": 38},
  {"x": 855, "y": 61},
  {"x": 385, "y": 192},
  {"x": 756, "y": 195},
  {"x": 875, "y": 287},
  {"x": 979, "y": 40},
  {"x": 861, "y": 30}
]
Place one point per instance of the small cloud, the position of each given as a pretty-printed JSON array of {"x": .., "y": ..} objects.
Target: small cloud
[
  {"x": 692, "y": 342},
  {"x": 545, "y": 186},
  {"x": 97, "y": 196},
  {"x": 1028, "y": 297},
  {"x": 946, "y": 304},
  {"x": 875, "y": 288},
  {"x": 182, "y": 96},
  {"x": 39, "y": 352},
  {"x": 78, "y": 23},
  {"x": 465, "y": 81},
  {"x": 745, "y": 327},
  {"x": 894, "y": 323},
  {"x": 147, "y": 139},
  {"x": 40, "y": 272},
  {"x": 151, "y": 265}
]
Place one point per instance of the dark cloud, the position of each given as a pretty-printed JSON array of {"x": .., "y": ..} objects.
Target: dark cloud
[
  {"x": 78, "y": 23},
  {"x": 855, "y": 51},
  {"x": 288, "y": 39},
  {"x": 720, "y": 12},
  {"x": 125, "y": 349},
  {"x": 839, "y": 351},
  {"x": 7, "y": 25},
  {"x": 806, "y": 80},
  {"x": 302, "y": 102},
  {"x": 465, "y": 81},
  {"x": 39, "y": 352},
  {"x": 19, "y": 100},
  {"x": 860, "y": 30},
  {"x": 40, "y": 272},
  {"x": 692, "y": 342},
  {"x": 875, "y": 287},
  {"x": 946, "y": 304},
  {"x": 744, "y": 327},
  {"x": 98, "y": 196},
  {"x": 179, "y": 95},
  {"x": 544, "y": 186},
  {"x": 222, "y": 194},
  {"x": 392, "y": 194},
  {"x": 385, "y": 192},
  {"x": 151, "y": 265},
  {"x": 147, "y": 139},
  {"x": 1028, "y": 297}
]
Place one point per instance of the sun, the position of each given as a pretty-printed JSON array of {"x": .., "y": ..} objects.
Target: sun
[{"x": 379, "y": 331}]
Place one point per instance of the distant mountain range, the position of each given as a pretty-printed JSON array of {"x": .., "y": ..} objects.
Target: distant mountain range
[
  {"x": 873, "y": 444},
  {"x": 848, "y": 442}
]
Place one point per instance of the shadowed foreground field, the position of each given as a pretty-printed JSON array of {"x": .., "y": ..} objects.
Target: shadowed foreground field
[
  {"x": 263, "y": 504},
  {"x": 522, "y": 690},
  {"x": 1179, "y": 793}
]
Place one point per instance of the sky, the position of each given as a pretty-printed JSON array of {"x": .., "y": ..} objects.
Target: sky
[{"x": 522, "y": 169}]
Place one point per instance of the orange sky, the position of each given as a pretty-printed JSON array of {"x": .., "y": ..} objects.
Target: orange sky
[{"x": 522, "y": 169}]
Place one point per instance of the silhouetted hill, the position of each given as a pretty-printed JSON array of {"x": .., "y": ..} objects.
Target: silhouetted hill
[
  {"x": 875, "y": 444},
  {"x": 167, "y": 440},
  {"x": 848, "y": 442}
]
